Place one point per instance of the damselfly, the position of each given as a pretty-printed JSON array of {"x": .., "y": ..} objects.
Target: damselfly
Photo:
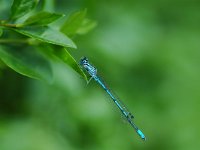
[{"x": 92, "y": 71}]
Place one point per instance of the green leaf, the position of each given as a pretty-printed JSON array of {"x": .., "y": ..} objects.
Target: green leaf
[
  {"x": 48, "y": 5},
  {"x": 86, "y": 26},
  {"x": 73, "y": 23},
  {"x": 48, "y": 35},
  {"x": 42, "y": 18},
  {"x": 66, "y": 57},
  {"x": 63, "y": 55},
  {"x": 21, "y": 7},
  {"x": 27, "y": 62},
  {"x": 1, "y": 32}
]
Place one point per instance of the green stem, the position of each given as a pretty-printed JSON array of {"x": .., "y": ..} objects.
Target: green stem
[
  {"x": 4, "y": 24},
  {"x": 5, "y": 41},
  {"x": 29, "y": 41},
  {"x": 8, "y": 25}
]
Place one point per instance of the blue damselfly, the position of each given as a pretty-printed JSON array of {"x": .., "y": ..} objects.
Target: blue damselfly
[{"x": 92, "y": 71}]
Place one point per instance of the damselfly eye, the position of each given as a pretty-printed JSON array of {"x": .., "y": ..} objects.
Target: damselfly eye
[{"x": 84, "y": 60}]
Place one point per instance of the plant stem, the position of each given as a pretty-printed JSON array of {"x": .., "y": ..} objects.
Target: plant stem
[
  {"x": 29, "y": 41},
  {"x": 8, "y": 25},
  {"x": 4, "y": 24},
  {"x": 5, "y": 41}
]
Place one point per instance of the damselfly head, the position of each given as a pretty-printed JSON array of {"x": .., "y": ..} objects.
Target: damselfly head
[{"x": 83, "y": 60}]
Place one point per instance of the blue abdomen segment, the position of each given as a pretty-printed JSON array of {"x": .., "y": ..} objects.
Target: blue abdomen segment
[{"x": 139, "y": 132}]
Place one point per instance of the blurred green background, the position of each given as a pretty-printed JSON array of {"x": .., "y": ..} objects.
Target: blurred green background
[{"x": 148, "y": 52}]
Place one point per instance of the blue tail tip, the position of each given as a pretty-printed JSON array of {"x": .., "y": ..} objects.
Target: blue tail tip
[{"x": 141, "y": 135}]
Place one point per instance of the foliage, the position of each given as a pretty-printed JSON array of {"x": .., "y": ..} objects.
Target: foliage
[
  {"x": 146, "y": 51},
  {"x": 26, "y": 31}
]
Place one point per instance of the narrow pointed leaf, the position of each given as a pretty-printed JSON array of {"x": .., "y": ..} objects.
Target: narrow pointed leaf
[
  {"x": 62, "y": 54},
  {"x": 73, "y": 23},
  {"x": 42, "y": 18},
  {"x": 48, "y": 35},
  {"x": 26, "y": 62},
  {"x": 66, "y": 57},
  {"x": 21, "y": 7},
  {"x": 1, "y": 32},
  {"x": 86, "y": 26}
]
